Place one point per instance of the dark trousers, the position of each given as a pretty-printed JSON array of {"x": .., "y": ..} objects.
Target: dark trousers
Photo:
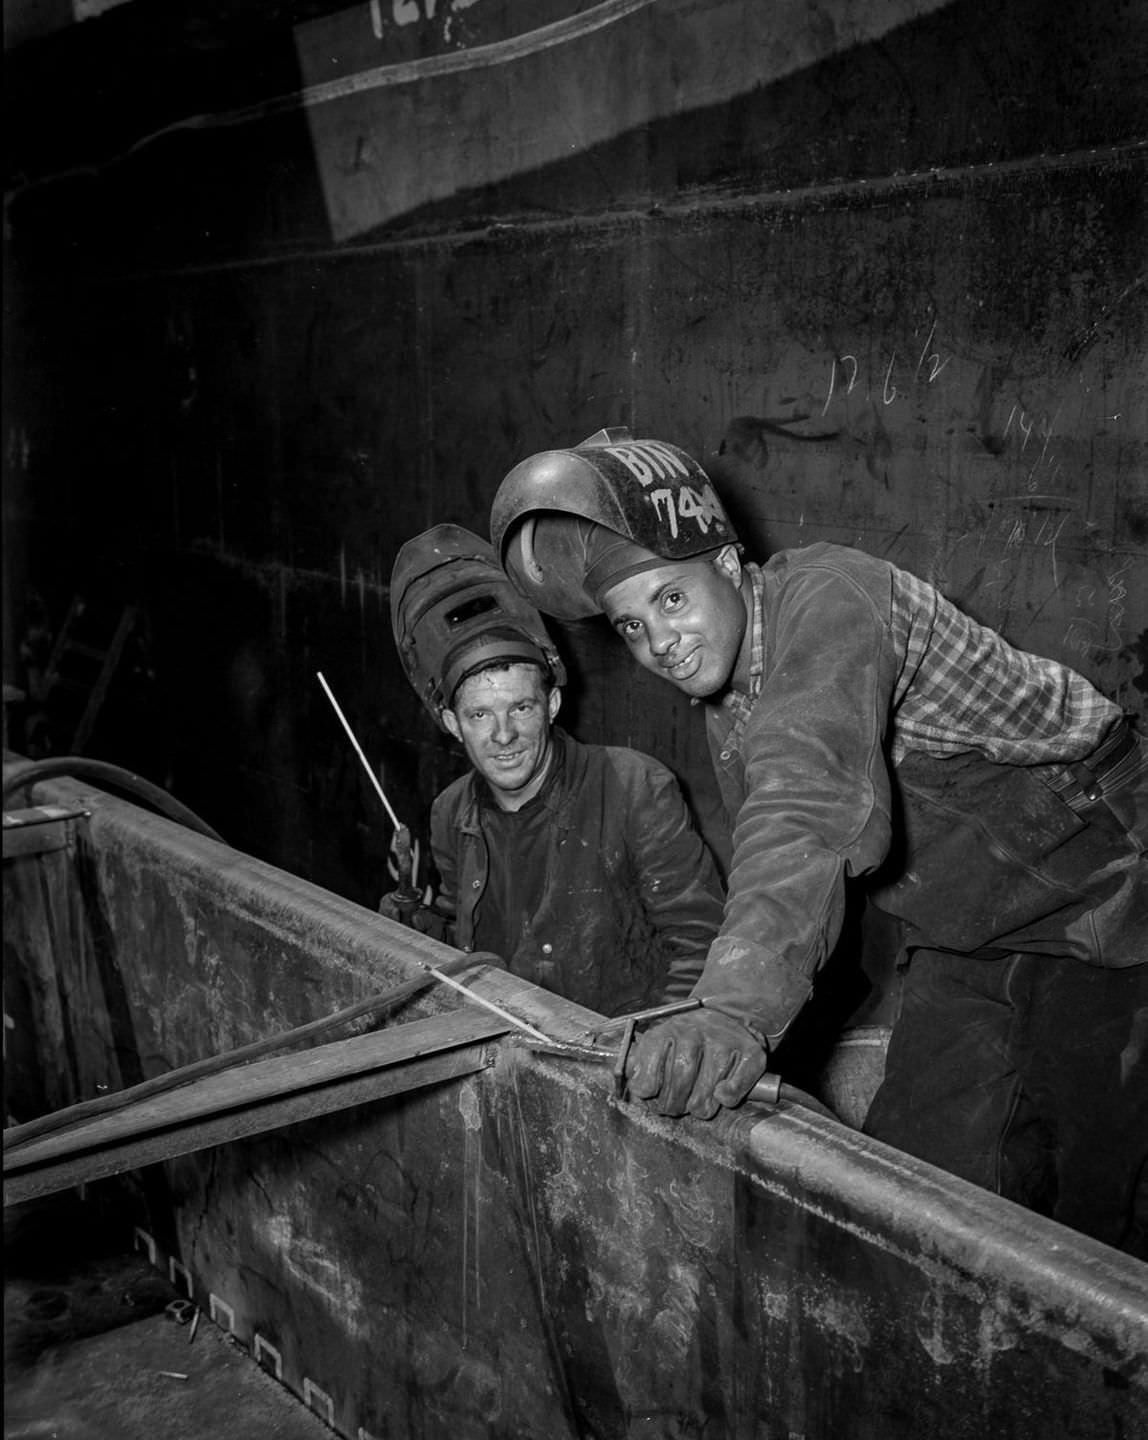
[
  {"x": 1019, "y": 1056},
  {"x": 1027, "y": 1075}
]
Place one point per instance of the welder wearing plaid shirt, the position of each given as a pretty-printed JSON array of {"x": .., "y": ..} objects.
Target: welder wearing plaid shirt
[{"x": 861, "y": 725}]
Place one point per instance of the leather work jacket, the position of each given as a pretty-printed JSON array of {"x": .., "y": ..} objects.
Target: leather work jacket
[
  {"x": 973, "y": 855},
  {"x": 630, "y": 899}
]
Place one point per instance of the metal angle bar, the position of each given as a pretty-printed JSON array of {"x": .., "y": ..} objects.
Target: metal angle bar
[
  {"x": 247, "y": 1086},
  {"x": 61, "y": 1172},
  {"x": 43, "y": 815},
  {"x": 38, "y": 830},
  {"x": 41, "y": 840}
]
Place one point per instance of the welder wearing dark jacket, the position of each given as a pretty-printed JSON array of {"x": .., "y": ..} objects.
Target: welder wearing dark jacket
[
  {"x": 598, "y": 888},
  {"x": 578, "y": 865},
  {"x": 861, "y": 725}
]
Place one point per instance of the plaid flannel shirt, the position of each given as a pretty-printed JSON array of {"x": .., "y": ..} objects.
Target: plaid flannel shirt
[{"x": 962, "y": 687}]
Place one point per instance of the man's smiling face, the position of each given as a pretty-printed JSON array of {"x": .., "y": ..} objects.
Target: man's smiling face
[
  {"x": 503, "y": 718},
  {"x": 685, "y": 621}
]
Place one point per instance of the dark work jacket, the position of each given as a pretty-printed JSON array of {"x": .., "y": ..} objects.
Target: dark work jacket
[
  {"x": 632, "y": 898},
  {"x": 973, "y": 856}
]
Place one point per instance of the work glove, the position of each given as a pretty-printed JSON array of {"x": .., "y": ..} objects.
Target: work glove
[
  {"x": 695, "y": 1063},
  {"x": 401, "y": 905}
]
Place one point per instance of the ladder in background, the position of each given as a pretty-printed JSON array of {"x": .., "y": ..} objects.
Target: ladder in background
[{"x": 82, "y": 667}]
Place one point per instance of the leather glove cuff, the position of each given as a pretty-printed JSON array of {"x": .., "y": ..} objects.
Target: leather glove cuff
[
  {"x": 733, "y": 1011},
  {"x": 753, "y": 984}
]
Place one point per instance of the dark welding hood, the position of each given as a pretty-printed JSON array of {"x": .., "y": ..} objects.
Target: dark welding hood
[
  {"x": 454, "y": 612},
  {"x": 654, "y": 499}
]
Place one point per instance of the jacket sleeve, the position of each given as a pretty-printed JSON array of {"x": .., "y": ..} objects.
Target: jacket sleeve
[
  {"x": 816, "y": 796},
  {"x": 437, "y": 919},
  {"x": 678, "y": 881}
]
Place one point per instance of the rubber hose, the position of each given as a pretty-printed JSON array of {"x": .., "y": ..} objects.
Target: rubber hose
[{"x": 101, "y": 771}]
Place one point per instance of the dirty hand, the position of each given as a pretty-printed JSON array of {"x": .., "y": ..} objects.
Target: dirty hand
[{"x": 695, "y": 1063}]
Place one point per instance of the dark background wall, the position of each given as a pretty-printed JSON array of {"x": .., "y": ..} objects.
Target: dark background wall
[{"x": 284, "y": 289}]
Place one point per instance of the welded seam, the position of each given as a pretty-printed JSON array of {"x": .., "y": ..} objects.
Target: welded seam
[{"x": 688, "y": 207}]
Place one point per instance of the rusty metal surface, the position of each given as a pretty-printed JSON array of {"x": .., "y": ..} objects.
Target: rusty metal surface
[
  {"x": 247, "y": 1100},
  {"x": 980, "y": 423},
  {"x": 806, "y": 1280},
  {"x": 472, "y": 118},
  {"x": 892, "y": 292},
  {"x": 46, "y": 1167},
  {"x": 893, "y": 297},
  {"x": 518, "y": 1253}
]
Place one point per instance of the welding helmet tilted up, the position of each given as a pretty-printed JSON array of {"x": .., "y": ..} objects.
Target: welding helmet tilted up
[
  {"x": 566, "y": 522},
  {"x": 454, "y": 612}
]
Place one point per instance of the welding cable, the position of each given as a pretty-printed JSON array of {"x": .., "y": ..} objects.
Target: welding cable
[
  {"x": 314, "y": 1030},
  {"x": 102, "y": 772}
]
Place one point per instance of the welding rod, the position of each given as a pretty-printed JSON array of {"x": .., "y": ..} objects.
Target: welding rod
[
  {"x": 658, "y": 1012},
  {"x": 486, "y": 1004},
  {"x": 359, "y": 752}
]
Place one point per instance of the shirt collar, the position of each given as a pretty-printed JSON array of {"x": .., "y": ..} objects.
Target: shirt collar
[{"x": 739, "y": 703}]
